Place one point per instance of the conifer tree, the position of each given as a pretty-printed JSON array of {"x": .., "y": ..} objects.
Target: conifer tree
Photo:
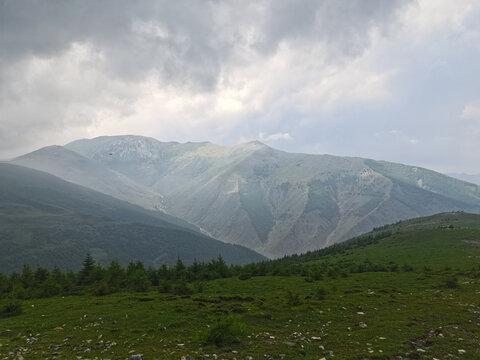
[{"x": 85, "y": 276}]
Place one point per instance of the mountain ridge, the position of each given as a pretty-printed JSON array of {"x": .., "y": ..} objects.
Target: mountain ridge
[
  {"x": 471, "y": 178},
  {"x": 276, "y": 202}
]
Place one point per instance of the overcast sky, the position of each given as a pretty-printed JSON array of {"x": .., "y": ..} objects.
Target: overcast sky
[{"x": 383, "y": 79}]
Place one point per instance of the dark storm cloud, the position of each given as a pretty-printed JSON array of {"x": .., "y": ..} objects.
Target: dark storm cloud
[
  {"x": 47, "y": 28},
  {"x": 184, "y": 41},
  {"x": 343, "y": 25}
]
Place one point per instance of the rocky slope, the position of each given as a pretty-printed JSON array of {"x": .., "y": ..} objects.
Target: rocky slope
[{"x": 276, "y": 202}]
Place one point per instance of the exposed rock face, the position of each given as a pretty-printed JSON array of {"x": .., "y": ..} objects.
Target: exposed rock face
[{"x": 276, "y": 202}]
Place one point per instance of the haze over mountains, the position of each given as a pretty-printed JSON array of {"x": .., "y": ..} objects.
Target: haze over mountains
[
  {"x": 46, "y": 221},
  {"x": 78, "y": 169},
  {"x": 271, "y": 201}
]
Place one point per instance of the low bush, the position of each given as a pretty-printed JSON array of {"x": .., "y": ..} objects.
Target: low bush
[
  {"x": 11, "y": 308},
  {"x": 451, "y": 282},
  {"x": 182, "y": 289},
  {"x": 293, "y": 299},
  {"x": 100, "y": 288},
  {"x": 320, "y": 294},
  {"x": 245, "y": 276},
  {"x": 224, "y": 332}
]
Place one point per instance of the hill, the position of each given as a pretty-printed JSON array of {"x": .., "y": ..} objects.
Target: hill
[
  {"x": 75, "y": 168},
  {"x": 440, "y": 224},
  {"x": 275, "y": 202},
  {"x": 410, "y": 294},
  {"x": 45, "y": 221},
  {"x": 472, "y": 178}
]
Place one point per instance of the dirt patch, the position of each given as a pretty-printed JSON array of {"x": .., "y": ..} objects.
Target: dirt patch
[{"x": 471, "y": 242}]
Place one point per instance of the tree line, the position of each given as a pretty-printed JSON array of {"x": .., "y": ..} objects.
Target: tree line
[{"x": 179, "y": 279}]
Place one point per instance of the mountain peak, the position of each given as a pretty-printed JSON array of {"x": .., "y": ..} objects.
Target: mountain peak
[
  {"x": 124, "y": 147},
  {"x": 252, "y": 145}
]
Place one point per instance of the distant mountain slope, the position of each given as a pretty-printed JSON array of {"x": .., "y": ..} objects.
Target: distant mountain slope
[
  {"x": 73, "y": 167},
  {"x": 472, "y": 178},
  {"x": 276, "y": 202},
  {"x": 45, "y": 221}
]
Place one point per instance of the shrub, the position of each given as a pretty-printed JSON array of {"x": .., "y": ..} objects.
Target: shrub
[
  {"x": 100, "y": 288},
  {"x": 19, "y": 292},
  {"x": 138, "y": 281},
  {"x": 320, "y": 294},
  {"x": 199, "y": 287},
  {"x": 451, "y": 282},
  {"x": 48, "y": 288},
  {"x": 165, "y": 287},
  {"x": 394, "y": 268},
  {"x": 182, "y": 289},
  {"x": 11, "y": 308},
  {"x": 224, "y": 332},
  {"x": 293, "y": 299},
  {"x": 245, "y": 276},
  {"x": 317, "y": 275}
]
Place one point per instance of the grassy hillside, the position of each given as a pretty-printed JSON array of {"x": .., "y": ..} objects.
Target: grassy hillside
[
  {"x": 45, "y": 221},
  {"x": 411, "y": 295}
]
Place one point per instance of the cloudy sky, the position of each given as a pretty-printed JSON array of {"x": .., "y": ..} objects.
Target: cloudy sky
[{"x": 383, "y": 79}]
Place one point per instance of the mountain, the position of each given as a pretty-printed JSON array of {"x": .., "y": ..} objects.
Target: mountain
[
  {"x": 80, "y": 170},
  {"x": 276, "y": 202},
  {"x": 47, "y": 221},
  {"x": 471, "y": 178},
  {"x": 271, "y": 201}
]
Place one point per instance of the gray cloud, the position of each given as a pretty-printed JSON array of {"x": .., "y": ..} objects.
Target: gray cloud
[
  {"x": 184, "y": 40},
  {"x": 327, "y": 73},
  {"x": 185, "y": 44},
  {"x": 343, "y": 25}
]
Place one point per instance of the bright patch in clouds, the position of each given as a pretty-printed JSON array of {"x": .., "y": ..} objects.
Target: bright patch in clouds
[
  {"x": 316, "y": 76},
  {"x": 472, "y": 111},
  {"x": 274, "y": 137}
]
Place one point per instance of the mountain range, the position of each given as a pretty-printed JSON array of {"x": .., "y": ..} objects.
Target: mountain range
[
  {"x": 46, "y": 221},
  {"x": 271, "y": 201}
]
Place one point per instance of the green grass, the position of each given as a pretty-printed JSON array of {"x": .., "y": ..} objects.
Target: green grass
[{"x": 415, "y": 314}]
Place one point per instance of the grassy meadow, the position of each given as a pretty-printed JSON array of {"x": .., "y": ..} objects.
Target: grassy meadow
[{"x": 419, "y": 298}]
